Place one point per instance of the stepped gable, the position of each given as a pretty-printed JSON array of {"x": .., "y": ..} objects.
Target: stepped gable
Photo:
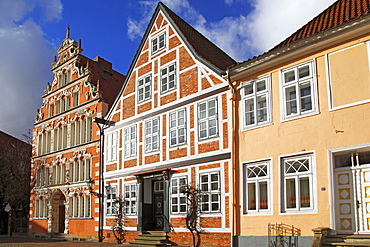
[
  {"x": 335, "y": 15},
  {"x": 201, "y": 45}
]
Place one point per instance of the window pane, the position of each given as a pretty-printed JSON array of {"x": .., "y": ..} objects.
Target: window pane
[
  {"x": 305, "y": 192},
  {"x": 291, "y": 103},
  {"x": 304, "y": 71},
  {"x": 290, "y": 193},
  {"x": 262, "y": 108},
  {"x": 263, "y": 195},
  {"x": 249, "y": 111},
  {"x": 248, "y": 89},
  {"x": 343, "y": 160},
  {"x": 306, "y": 99},
  {"x": 251, "y": 196},
  {"x": 289, "y": 76},
  {"x": 261, "y": 85}
]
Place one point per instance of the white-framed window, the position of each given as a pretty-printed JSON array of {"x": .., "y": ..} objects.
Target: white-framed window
[
  {"x": 130, "y": 199},
  {"x": 80, "y": 170},
  {"x": 297, "y": 183},
  {"x": 130, "y": 136},
  {"x": 177, "y": 123},
  {"x": 152, "y": 135},
  {"x": 41, "y": 210},
  {"x": 111, "y": 152},
  {"x": 208, "y": 119},
  {"x": 299, "y": 92},
  {"x": 178, "y": 197},
  {"x": 144, "y": 88},
  {"x": 51, "y": 110},
  {"x": 257, "y": 187},
  {"x": 59, "y": 171},
  {"x": 81, "y": 131},
  {"x": 210, "y": 186},
  {"x": 80, "y": 206},
  {"x": 158, "y": 42},
  {"x": 76, "y": 99},
  {"x": 168, "y": 78},
  {"x": 256, "y": 98},
  {"x": 111, "y": 201},
  {"x": 42, "y": 176}
]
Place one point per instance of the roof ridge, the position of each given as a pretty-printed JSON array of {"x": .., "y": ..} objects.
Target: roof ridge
[
  {"x": 335, "y": 15},
  {"x": 204, "y": 47}
]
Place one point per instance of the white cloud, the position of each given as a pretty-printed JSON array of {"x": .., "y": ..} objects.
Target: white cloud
[
  {"x": 272, "y": 21},
  {"x": 268, "y": 23},
  {"x": 24, "y": 64}
]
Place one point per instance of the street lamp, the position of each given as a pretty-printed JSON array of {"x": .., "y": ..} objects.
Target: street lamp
[{"x": 101, "y": 123}]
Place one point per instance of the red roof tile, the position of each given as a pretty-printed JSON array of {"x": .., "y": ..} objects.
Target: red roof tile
[{"x": 337, "y": 14}]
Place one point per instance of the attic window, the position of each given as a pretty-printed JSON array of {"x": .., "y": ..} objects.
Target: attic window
[{"x": 159, "y": 42}]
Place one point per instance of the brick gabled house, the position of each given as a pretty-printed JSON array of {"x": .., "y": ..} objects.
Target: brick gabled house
[
  {"x": 303, "y": 111},
  {"x": 170, "y": 127},
  {"x": 66, "y": 145},
  {"x": 15, "y": 158}
]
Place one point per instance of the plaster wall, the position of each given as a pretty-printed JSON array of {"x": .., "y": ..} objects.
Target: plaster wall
[{"x": 313, "y": 134}]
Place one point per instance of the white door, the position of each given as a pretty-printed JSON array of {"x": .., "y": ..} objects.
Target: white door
[{"x": 352, "y": 197}]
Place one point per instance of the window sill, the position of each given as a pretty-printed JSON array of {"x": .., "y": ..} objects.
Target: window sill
[
  {"x": 302, "y": 211},
  {"x": 293, "y": 117},
  {"x": 261, "y": 213},
  {"x": 247, "y": 128}
]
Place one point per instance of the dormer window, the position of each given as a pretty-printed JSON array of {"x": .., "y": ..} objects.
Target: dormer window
[{"x": 159, "y": 42}]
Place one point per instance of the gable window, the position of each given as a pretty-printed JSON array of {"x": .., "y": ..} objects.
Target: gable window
[
  {"x": 299, "y": 90},
  {"x": 168, "y": 78},
  {"x": 256, "y": 102},
  {"x": 158, "y": 42},
  {"x": 51, "y": 110},
  {"x": 130, "y": 141},
  {"x": 178, "y": 197},
  {"x": 152, "y": 135},
  {"x": 76, "y": 99},
  {"x": 111, "y": 200},
  {"x": 297, "y": 182},
  {"x": 178, "y": 127},
  {"x": 111, "y": 146},
  {"x": 130, "y": 199},
  {"x": 211, "y": 192},
  {"x": 145, "y": 88},
  {"x": 208, "y": 119},
  {"x": 257, "y": 187}
]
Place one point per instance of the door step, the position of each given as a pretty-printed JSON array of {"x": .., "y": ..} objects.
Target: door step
[
  {"x": 347, "y": 240},
  {"x": 151, "y": 239}
]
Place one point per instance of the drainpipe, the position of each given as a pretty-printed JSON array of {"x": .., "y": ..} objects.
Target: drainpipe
[{"x": 234, "y": 188}]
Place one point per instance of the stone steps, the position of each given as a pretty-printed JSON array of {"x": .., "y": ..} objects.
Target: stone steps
[
  {"x": 347, "y": 240},
  {"x": 151, "y": 239}
]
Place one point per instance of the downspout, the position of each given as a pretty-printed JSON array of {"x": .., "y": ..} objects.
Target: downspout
[
  {"x": 101, "y": 183},
  {"x": 234, "y": 195}
]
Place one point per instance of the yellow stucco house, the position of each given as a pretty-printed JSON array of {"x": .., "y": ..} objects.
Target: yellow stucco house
[{"x": 302, "y": 128}]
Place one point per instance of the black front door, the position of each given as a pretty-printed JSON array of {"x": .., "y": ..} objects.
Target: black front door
[{"x": 158, "y": 211}]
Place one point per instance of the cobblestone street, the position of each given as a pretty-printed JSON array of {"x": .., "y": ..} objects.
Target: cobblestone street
[{"x": 26, "y": 241}]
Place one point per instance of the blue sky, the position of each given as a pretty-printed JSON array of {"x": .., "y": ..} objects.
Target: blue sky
[{"x": 32, "y": 30}]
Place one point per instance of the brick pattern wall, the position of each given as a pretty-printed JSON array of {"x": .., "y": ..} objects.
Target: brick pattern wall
[{"x": 191, "y": 78}]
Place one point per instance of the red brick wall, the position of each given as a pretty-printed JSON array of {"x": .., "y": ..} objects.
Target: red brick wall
[{"x": 205, "y": 239}]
